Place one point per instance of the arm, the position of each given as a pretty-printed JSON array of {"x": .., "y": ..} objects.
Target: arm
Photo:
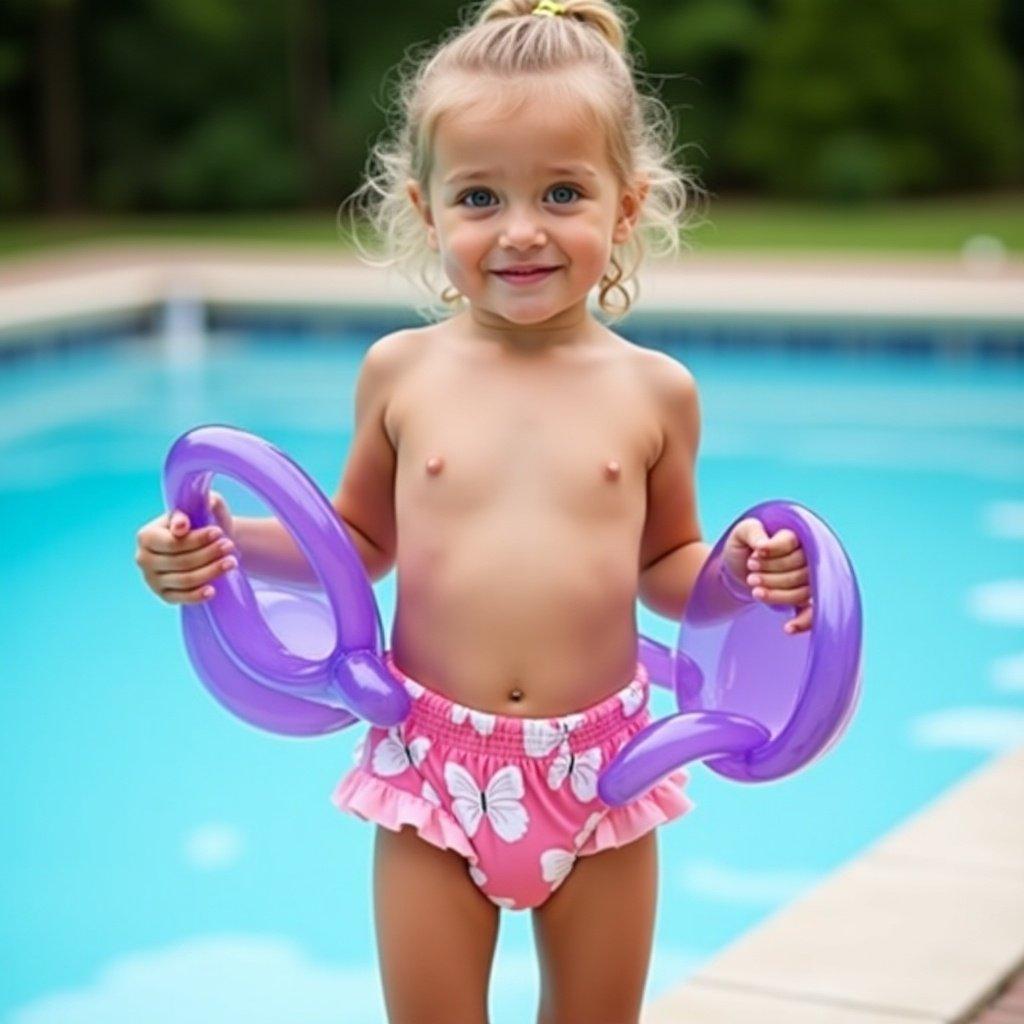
[
  {"x": 364, "y": 500},
  {"x": 671, "y": 549}
]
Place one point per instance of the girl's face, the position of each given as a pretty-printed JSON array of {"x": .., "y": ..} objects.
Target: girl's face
[{"x": 533, "y": 189}]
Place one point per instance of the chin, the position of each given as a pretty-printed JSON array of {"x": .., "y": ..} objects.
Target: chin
[{"x": 527, "y": 319}]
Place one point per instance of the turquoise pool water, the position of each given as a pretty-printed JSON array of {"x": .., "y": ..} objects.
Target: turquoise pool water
[{"x": 164, "y": 863}]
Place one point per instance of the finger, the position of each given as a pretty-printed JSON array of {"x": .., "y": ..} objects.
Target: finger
[
  {"x": 219, "y": 508},
  {"x": 197, "y": 596},
  {"x": 794, "y": 560},
  {"x": 194, "y": 558},
  {"x": 779, "y": 580},
  {"x": 752, "y": 532},
  {"x": 163, "y": 542},
  {"x": 800, "y": 622},
  {"x": 178, "y": 523},
  {"x": 769, "y": 596},
  {"x": 169, "y": 581},
  {"x": 782, "y": 543}
]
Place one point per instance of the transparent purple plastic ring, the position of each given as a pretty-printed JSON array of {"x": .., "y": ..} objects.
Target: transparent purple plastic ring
[
  {"x": 280, "y": 656},
  {"x": 755, "y": 703}
]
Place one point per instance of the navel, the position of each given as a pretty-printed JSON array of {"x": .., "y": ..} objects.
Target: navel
[
  {"x": 516, "y": 694},
  {"x": 435, "y": 464},
  {"x": 612, "y": 470}
]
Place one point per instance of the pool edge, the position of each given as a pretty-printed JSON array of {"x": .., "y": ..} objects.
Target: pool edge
[{"x": 922, "y": 926}]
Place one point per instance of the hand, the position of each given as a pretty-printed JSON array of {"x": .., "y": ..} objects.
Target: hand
[
  {"x": 774, "y": 567},
  {"x": 179, "y": 563}
]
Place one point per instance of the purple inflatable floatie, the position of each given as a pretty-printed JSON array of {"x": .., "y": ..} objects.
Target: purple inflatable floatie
[
  {"x": 279, "y": 656},
  {"x": 755, "y": 703}
]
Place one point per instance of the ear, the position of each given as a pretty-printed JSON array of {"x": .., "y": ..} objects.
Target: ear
[
  {"x": 416, "y": 197},
  {"x": 631, "y": 204}
]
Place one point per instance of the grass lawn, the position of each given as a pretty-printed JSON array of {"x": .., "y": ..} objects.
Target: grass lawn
[{"x": 929, "y": 226}]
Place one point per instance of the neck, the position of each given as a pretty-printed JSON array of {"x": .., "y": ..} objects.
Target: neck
[{"x": 572, "y": 326}]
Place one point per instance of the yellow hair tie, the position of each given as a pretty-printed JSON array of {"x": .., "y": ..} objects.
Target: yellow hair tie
[{"x": 549, "y": 8}]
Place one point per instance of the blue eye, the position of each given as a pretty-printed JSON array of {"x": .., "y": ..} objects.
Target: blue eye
[
  {"x": 475, "y": 192},
  {"x": 571, "y": 189},
  {"x": 567, "y": 191}
]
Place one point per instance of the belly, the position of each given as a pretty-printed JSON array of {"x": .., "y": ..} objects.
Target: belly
[{"x": 533, "y": 621}]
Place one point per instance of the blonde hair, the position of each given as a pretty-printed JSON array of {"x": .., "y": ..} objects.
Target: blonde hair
[{"x": 504, "y": 39}]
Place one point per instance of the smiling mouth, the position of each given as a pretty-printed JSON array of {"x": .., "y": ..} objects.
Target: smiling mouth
[{"x": 526, "y": 275}]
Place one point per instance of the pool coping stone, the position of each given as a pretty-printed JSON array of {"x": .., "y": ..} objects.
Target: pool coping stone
[{"x": 926, "y": 925}]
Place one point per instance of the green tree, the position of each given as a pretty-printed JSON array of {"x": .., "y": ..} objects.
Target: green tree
[
  {"x": 880, "y": 97},
  {"x": 697, "y": 55}
]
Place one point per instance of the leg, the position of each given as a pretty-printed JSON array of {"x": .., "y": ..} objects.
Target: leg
[
  {"x": 436, "y": 932},
  {"x": 594, "y": 937}
]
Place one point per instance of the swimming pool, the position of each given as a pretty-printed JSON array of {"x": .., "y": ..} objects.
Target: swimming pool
[{"x": 161, "y": 859}]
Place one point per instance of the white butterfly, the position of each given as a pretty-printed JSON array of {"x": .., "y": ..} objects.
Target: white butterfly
[
  {"x": 588, "y": 827},
  {"x": 392, "y": 755},
  {"x": 430, "y": 794},
  {"x": 541, "y": 736},
  {"x": 499, "y": 801},
  {"x": 555, "y": 866},
  {"x": 414, "y": 689},
  {"x": 581, "y": 770},
  {"x": 632, "y": 698},
  {"x": 482, "y": 721}
]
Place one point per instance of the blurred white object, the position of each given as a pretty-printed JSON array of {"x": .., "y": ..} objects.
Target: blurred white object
[
  {"x": 213, "y": 845},
  {"x": 983, "y": 254},
  {"x": 1004, "y": 519},
  {"x": 183, "y": 324}
]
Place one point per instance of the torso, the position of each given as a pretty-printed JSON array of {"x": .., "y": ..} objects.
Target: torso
[{"x": 520, "y": 497}]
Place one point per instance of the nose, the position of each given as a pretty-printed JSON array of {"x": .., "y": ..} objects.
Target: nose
[{"x": 521, "y": 230}]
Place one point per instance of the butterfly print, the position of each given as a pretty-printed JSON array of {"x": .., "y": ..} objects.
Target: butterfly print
[{"x": 500, "y": 801}]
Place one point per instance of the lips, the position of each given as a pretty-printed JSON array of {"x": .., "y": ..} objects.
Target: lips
[
  {"x": 524, "y": 270},
  {"x": 526, "y": 276}
]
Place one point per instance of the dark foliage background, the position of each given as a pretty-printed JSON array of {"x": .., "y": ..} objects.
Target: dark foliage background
[{"x": 203, "y": 105}]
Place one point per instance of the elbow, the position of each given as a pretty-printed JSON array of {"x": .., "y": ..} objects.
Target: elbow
[
  {"x": 661, "y": 604},
  {"x": 378, "y": 566},
  {"x": 377, "y": 561}
]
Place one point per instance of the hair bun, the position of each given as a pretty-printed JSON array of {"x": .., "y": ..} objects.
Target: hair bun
[{"x": 600, "y": 14}]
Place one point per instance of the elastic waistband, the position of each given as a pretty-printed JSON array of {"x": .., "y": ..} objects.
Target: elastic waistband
[{"x": 470, "y": 729}]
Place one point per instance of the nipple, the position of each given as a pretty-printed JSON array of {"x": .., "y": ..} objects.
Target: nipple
[
  {"x": 435, "y": 464},
  {"x": 612, "y": 470}
]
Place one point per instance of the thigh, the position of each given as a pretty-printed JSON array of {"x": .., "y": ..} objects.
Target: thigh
[
  {"x": 594, "y": 937},
  {"x": 436, "y": 932}
]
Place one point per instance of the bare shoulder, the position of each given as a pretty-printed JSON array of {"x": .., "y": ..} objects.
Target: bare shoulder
[
  {"x": 388, "y": 361},
  {"x": 388, "y": 365},
  {"x": 666, "y": 382},
  {"x": 393, "y": 353}
]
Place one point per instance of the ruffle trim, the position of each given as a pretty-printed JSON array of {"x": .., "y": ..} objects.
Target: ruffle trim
[
  {"x": 621, "y": 825},
  {"x": 373, "y": 799}
]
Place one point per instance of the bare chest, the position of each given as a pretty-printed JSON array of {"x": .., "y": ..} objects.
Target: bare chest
[{"x": 579, "y": 446}]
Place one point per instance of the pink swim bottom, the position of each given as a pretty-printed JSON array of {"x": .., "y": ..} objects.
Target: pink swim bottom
[{"x": 517, "y": 797}]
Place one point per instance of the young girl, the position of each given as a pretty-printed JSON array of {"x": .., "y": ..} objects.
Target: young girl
[{"x": 530, "y": 473}]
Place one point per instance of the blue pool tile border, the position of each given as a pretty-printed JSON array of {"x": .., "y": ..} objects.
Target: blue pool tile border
[{"x": 924, "y": 338}]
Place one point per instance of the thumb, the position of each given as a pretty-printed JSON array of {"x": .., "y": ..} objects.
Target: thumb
[
  {"x": 752, "y": 532},
  {"x": 219, "y": 508},
  {"x": 178, "y": 523}
]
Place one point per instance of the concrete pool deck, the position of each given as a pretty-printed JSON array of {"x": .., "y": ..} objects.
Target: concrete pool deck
[{"x": 927, "y": 924}]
